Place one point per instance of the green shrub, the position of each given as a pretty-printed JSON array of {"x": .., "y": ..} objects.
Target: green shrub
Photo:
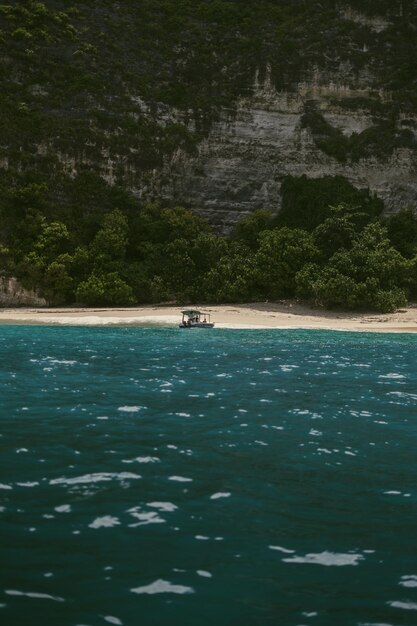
[{"x": 104, "y": 290}]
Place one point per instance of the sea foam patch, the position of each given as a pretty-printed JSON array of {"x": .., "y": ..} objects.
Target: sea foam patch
[
  {"x": 143, "y": 459},
  {"x": 130, "y": 409},
  {"x": 145, "y": 518},
  {"x": 111, "y": 619},
  {"x": 107, "y": 521},
  {"x": 33, "y": 594},
  {"x": 337, "y": 559},
  {"x": 168, "y": 507},
  {"x": 220, "y": 494},
  {"x": 281, "y": 549},
  {"x": 63, "y": 508},
  {"x": 162, "y": 586},
  {"x": 94, "y": 478},
  {"x": 407, "y": 606},
  {"x": 408, "y": 581}
]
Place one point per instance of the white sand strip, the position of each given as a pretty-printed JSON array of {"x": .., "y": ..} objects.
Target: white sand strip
[{"x": 264, "y": 315}]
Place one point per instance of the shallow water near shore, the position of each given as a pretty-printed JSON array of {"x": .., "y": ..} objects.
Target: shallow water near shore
[{"x": 156, "y": 476}]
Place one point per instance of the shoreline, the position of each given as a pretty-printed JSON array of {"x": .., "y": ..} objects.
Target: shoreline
[{"x": 262, "y": 315}]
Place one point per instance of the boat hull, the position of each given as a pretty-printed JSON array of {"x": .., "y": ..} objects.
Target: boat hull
[{"x": 198, "y": 325}]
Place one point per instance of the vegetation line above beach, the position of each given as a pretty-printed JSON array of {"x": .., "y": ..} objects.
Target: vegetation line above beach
[{"x": 329, "y": 245}]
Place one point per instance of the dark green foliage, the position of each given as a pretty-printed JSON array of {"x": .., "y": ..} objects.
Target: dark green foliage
[
  {"x": 307, "y": 202},
  {"x": 402, "y": 232},
  {"x": 105, "y": 289},
  {"x": 335, "y": 233},
  {"x": 282, "y": 253},
  {"x": 153, "y": 253},
  {"x": 231, "y": 279},
  {"x": 249, "y": 228},
  {"x": 370, "y": 275}
]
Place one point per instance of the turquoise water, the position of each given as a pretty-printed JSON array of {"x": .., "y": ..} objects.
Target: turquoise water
[{"x": 158, "y": 477}]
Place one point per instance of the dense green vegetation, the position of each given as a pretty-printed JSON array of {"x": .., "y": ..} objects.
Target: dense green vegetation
[
  {"x": 329, "y": 245},
  {"x": 97, "y": 85}
]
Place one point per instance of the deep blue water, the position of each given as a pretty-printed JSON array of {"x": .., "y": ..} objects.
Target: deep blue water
[{"x": 154, "y": 477}]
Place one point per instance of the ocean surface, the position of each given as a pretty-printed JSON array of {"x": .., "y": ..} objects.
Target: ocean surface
[{"x": 154, "y": 477}]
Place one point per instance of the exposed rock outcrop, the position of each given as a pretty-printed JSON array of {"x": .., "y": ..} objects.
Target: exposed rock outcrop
[
  {"x": 12, "y": 294},
  {"x": 239, "y": 167}
]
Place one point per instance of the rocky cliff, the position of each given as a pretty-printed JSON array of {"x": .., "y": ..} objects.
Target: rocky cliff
[
  {"x": 210, "y": 105},
  {"x": 12, "y": 294},
  {"x": 240, "y": 166}
]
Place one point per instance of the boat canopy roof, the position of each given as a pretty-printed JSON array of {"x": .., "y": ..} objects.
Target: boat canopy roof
[{"x": 191, "y": 312}]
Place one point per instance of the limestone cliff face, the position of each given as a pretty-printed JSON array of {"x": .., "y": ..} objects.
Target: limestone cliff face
[
  {"x": 124, "y": 92},
  {"x": 240, "y": 166},
  {"x": 12, "y": 294}
]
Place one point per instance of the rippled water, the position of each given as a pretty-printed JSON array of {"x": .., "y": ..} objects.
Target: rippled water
[{"x": 155, "y": 477}]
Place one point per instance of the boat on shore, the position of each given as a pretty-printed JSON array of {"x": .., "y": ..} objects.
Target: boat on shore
[{"x": 192, "y": 318}]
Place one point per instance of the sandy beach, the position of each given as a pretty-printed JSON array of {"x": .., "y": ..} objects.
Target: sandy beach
[{"x": 250, "y": 316}]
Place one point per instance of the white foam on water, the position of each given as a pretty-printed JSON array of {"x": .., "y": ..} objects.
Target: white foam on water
[
  {"x": 60, "y": 361},
  {"x": 112, "y": 620},
  {"x": 168, "y": 507},
  {"x": 130, "y": 409},
  {"x": 142, "y": 459},
  {"x": 181, "y": 479},
  {"x": 407, "y": 606},
  {"x": 281, "y": 549},
  {"x": 403, "y": 394},
  {"x": 94, "y": 478},
  {"x": 162, "y": 586},
  {"x": 392, "y": 376},
  {"x": 3, "y": 486},
  {"x": 408, "y": 581},
  {"x": 220, "y": 494},
  {"x": 150, "y": 517},
  {"x": 328, "y": 559},
  {"x": 204, "y": 574},
  {"x": 63, "y": 508},
  {"x": 107, "y": 521},
  {"x": 28, "y": 484},
  {"x": 33, "y": 594}
]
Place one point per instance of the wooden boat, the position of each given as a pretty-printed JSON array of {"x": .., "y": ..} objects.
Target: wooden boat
[{"x": 195, "y": 319}]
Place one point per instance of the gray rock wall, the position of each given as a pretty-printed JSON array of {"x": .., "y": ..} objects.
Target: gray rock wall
[
  {"x": 241, "y": 164},
  {"x": 12, "y": 294}
]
